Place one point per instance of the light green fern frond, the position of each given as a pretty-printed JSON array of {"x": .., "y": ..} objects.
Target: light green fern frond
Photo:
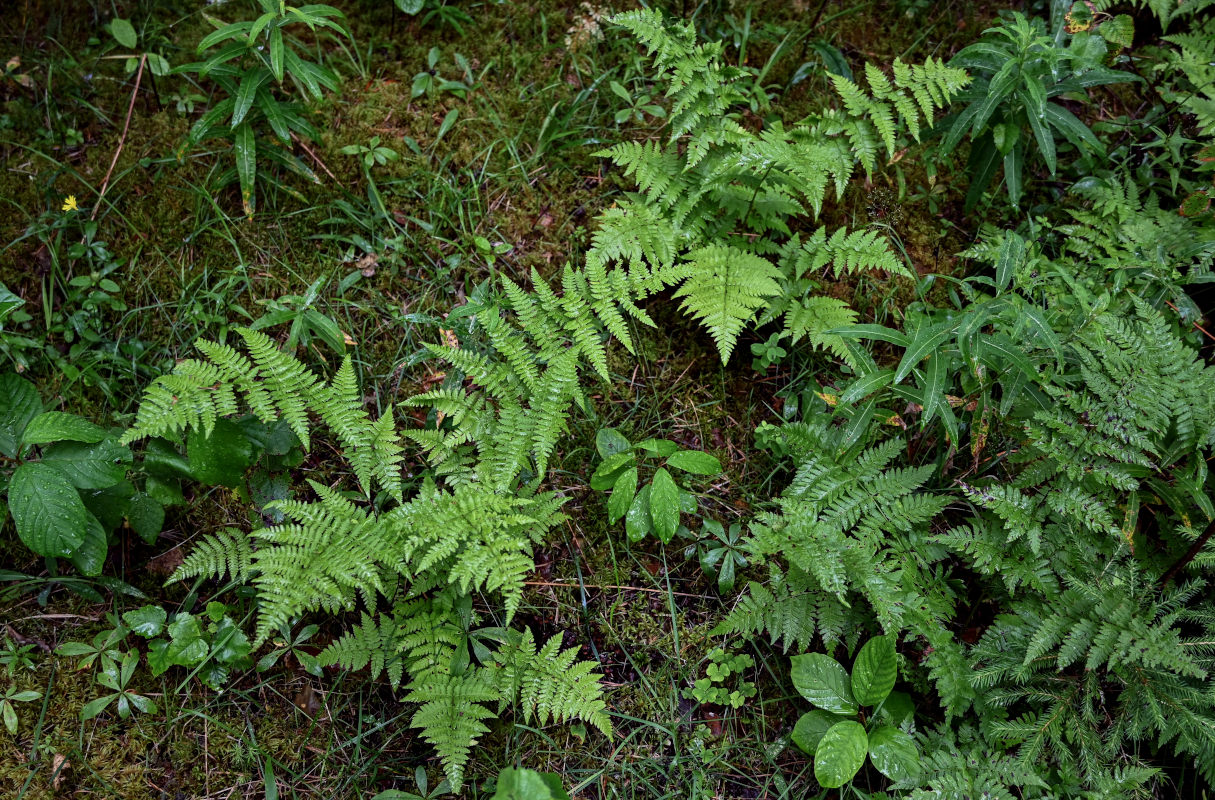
[
  {"x": 452, "y": 717},
  {"x": 723, "y": 287},
  {"x": 227, "y": 552},
  {"x": 551, "y": 685}
]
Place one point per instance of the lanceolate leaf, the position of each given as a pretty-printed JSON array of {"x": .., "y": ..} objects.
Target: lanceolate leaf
[
  {"x": 664, "y": 505},
  {"x": 245, "y": 146}
]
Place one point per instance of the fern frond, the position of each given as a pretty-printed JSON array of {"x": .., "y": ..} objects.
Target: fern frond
[{"x": 227, "y": 552}]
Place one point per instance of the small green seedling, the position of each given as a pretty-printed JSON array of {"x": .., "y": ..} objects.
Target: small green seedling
[
  {"x": 117, "y": 677},
  {"x": 8, "y": 713},
  {"x": 656, "y": 506},
  {"x": 837, "y": 734}
]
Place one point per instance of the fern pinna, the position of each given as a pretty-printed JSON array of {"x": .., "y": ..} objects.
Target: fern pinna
[
  {"x": 420, "y": 557},
  {"x": 715, "y": 207}
]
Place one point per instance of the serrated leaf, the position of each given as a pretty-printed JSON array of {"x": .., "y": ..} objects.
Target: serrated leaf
[
  {"x": 694, "y": 461},
  {"x": 89, "y": 466},
  {"x": 50, "y": 518},
  {"x": 622, "y": 495},
  {"x": 147, "y": 621},
  {"x": 821, "y": 680},
  {"x": 894, "y": 753},
  {"x": 874, "y": 672},
  {"x": 840, "y": 754},
  {"x": 664, "y": 505}
]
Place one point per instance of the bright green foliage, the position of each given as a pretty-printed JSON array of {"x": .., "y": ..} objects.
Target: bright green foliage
[
  {"x": 834, "y": 735},
  {"x": 228, "y": 552},
  {"x": 423, "y": 556},
  {"x": 66, "y": 481},
  {"x": 273, "y": 385},
  {"x": 715, "y": 205},
  {"x": 655, "y": 508},
  {"x": 548, "y": 684},
  {"x": 254, "y": 56},
  {"x": 1018, "y": 67}
]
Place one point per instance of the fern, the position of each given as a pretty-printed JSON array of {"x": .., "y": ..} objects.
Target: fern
[
  {"x": 725, "y": 198},
  {"x": 549, "y": 684},
  {"x": 227, "y": 552},
  {"x": 452, "y": 716}
]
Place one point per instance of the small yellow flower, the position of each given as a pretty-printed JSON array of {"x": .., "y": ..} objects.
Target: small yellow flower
[{"x": 70, "y": 203}]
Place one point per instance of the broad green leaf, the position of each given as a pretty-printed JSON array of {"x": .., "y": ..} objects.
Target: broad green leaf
[
  {"x": 664, "y": 505},
  {"x": 221, "y": 458},
  {"x": 821, "y": 680},
  {"x": 526, "y": 784},
  {"x": 19, "y": 403},
  {"x": 46, "y": 508},
  {"x": 811, "y": 727},
  {"x": 56, "y": 426},
  {"x": 874, "y": 671},
  {"x": 659, "y": 447},
  {"x": 694, "y": 461},
  {"x": 186, "y": 646},
  {"x": 410, "y": 7},
  {"x": 89, "y": 466},
  {"x": 840, "y": 754},
  {"x": 609, "y": 442},
  {"x": 245, "y": 147},
  {"x": 637, "y": 523},
  {"x": 9, "y": 302},
  {"x": 124, "y": 33},
  {"x": 148, "y": 621},
  {"x": 894, "y": 753},
  {"x": 898, "y": 708},
  {"x": 89, "y": 557},
  {"x": 146, "y": 516},
  {"x": 10, "y": 716},
  {"x": 610, "y": 470},
  {"x": 622, "y": 495}
]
